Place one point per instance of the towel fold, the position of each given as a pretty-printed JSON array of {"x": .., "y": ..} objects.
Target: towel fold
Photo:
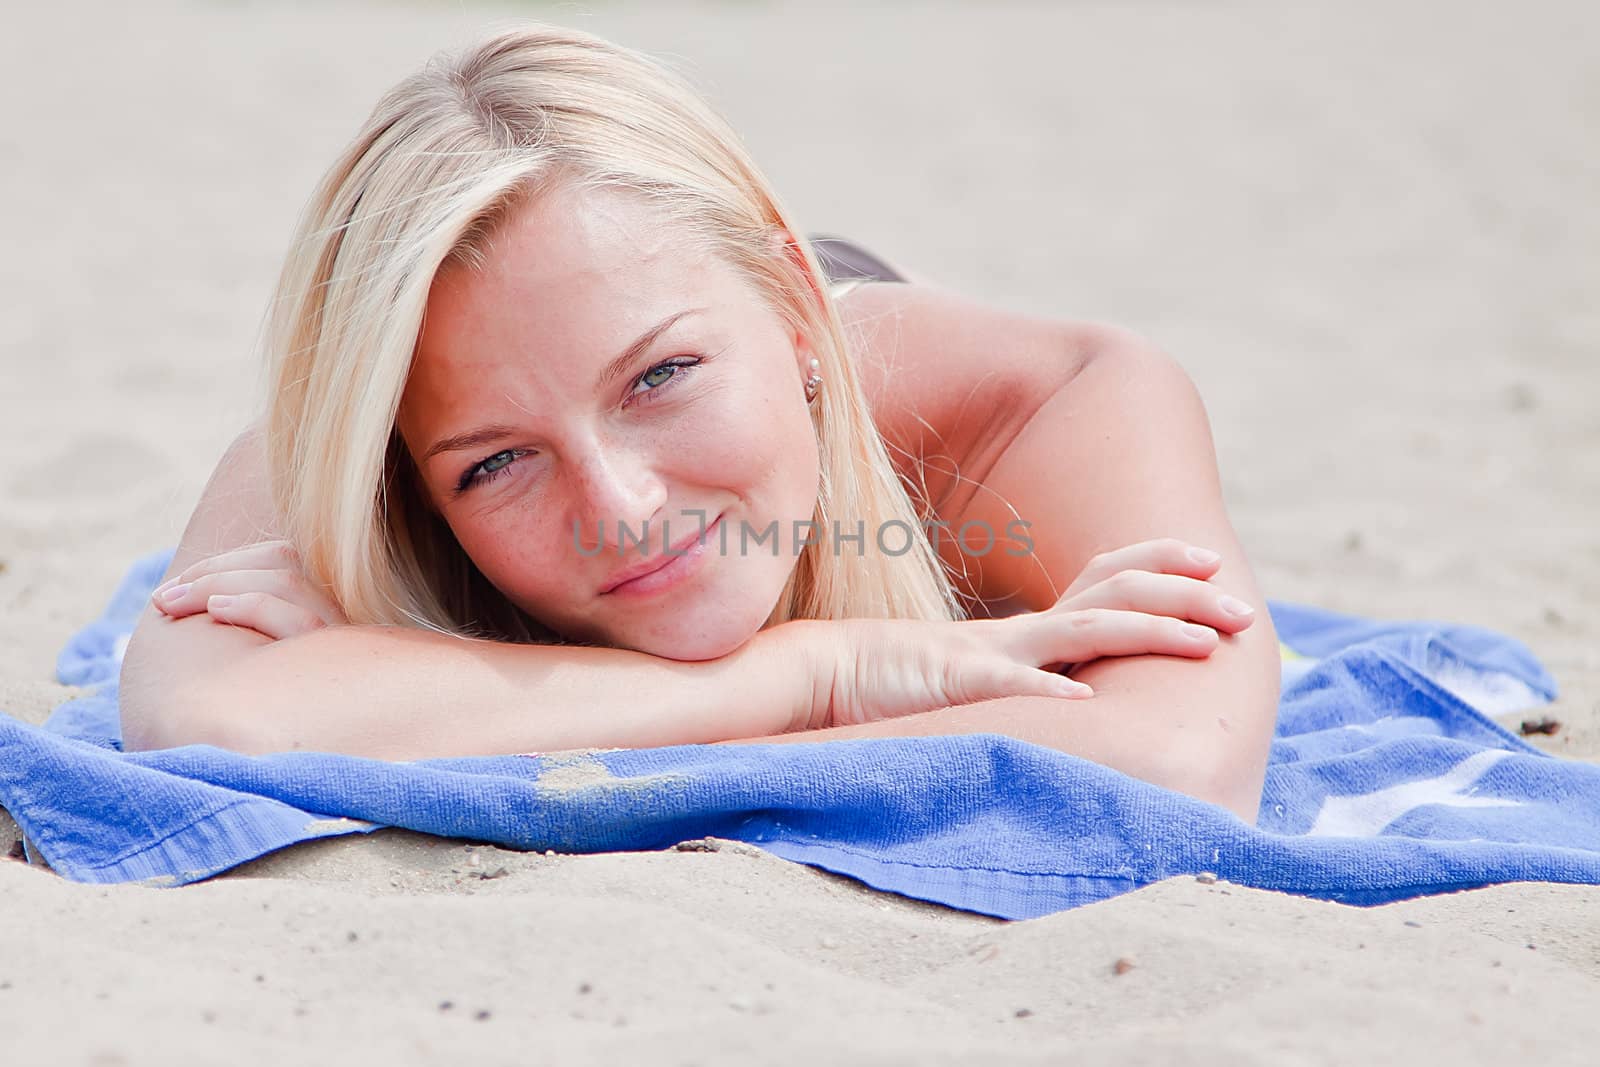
[{"x": 1387, "y": 780}]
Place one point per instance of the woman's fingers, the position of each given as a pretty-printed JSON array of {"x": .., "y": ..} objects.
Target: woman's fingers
[
  {"x": 1165, "y": 594},
  {"x": 269, "y": 615},
  {"x": 1080, "y": 636},
  {"x": 263, "y": 555},
  {"x": 1163, "y": 555},
  {"x": 993, "y": 678},
  {"x": 188, "y": 598}
]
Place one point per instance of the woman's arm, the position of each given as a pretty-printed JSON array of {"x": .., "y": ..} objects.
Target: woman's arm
[
  {"x": 405, "y": 693},
  {"x": 396, "y": 693},
  {"x": 1115, "y": 449}
]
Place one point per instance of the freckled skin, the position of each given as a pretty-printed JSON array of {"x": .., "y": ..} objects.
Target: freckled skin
[{"x": 570, "y": 280}]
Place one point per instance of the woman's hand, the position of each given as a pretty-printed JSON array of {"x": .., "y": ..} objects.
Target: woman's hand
[
  {"x": 1165, "y": 576},
  {"x": 1151, "y": 597},
  {"x": 260, "y": 587}
]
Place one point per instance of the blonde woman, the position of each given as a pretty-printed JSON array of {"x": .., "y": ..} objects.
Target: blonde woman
[{"x": 571, "y": 444}]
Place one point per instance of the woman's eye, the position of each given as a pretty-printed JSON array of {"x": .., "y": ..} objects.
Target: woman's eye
[
  {"x": 661, "y": 370},
  {"x": 664, "y": 376},
  {"x": 486, "y": 470},
  {"x": 496, "y": 461}
]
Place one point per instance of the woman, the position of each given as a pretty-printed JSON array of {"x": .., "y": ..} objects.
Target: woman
[{"x": 570, "y": 445}]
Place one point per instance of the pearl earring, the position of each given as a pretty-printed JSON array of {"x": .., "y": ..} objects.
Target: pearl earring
[{"x": 814, "y": 382}]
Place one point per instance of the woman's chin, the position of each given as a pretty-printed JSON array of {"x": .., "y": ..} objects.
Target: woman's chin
[
  {"x": 702, "y": 646},
  {"x": 702, "y": 634}
]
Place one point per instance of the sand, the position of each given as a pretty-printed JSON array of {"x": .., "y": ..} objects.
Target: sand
[{"x": 1369, "y": 232}]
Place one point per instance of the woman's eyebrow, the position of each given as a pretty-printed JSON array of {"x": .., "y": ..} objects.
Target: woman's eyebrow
[
  {"x": 471, "y": 439},
  {"x": 616, "y": 367},
  {"x": 484, "y": 435}
]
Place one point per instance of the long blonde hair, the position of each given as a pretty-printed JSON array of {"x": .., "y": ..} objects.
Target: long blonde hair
[{"x": 437, "y": 165}]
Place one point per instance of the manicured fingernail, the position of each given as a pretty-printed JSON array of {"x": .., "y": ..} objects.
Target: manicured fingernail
[
  {"x": 1234, "y": 606},
  {"x": 219, "y": 602},
  {"x": 1198, "y": 632},
  {"x": 175, "y": 593},
  {"x": 1203, "y": 556}
]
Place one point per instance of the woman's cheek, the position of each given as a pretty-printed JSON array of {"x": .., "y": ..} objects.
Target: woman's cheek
[{"x": 514, "y": 553}]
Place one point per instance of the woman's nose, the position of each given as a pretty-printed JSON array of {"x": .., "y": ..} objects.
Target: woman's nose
[{"x": 618, "y": 493}]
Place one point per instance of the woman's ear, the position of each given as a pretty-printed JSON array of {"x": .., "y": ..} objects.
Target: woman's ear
[
  {"x": 781, "y": 241},
  {"x": 785, "y": 242}
]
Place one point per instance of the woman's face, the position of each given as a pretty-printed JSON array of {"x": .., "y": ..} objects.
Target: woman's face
[{"x": 598, "y": 383}]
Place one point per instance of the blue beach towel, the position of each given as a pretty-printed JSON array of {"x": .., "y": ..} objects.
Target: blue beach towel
[{"x": 1387, "y": 780}]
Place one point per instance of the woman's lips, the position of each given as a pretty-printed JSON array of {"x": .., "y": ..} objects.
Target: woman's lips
[{"x": 666, "y": 570}]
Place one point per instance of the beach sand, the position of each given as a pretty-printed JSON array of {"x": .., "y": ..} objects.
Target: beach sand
[{"x": 1369, "y": 233}]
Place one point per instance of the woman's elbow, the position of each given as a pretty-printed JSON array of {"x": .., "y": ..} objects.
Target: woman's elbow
[
  {"x": 163, "y": 706},
  {"x": 1228, "y": 784},
  {"x": 166, "y": 716}
]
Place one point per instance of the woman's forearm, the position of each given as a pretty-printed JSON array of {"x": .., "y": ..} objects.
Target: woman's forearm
[
  {"x": 393, "y": 693},
  {"x": 1201, "y": 727}
]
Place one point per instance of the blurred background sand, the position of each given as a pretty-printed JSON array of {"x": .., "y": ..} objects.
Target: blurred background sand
[{"x": 1370, "y": 232}]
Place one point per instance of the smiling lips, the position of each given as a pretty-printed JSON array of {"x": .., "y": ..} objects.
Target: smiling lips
[{"x": 661, "y": 571}]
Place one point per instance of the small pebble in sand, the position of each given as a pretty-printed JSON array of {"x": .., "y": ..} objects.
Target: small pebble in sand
[
  {"x": 698, "y": 844},
  {"x": 1545, "y": 725},
  {"x": 1205, "y": 878},
  {"x": 1122, "y": 966},
  {"x": 584, "y": 988},
  {"x": 473, "y": 860},
  {"x": 1410, "y": 922},
  {"x": 482, "y": 1015},
  {"x": 828, "y": 942},
  {"x": 1024, "y": 1013},
  {"x": 446, "y": 1005},
  {"x": 498, "y": 872},
  {"x": 550, "y": 852}
]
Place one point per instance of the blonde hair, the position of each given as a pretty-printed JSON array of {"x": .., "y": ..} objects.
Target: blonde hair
[{"x": 441, "y": 160}]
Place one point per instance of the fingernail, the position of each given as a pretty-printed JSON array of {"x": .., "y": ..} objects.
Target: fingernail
[
  {"x": 219, "y": 602},
  {"x": 175, "y": 593},
  {"x": 1232, "y": 605},
  {"x": 1198, "y": 632},
  {"x": 1203, "y": 556}
]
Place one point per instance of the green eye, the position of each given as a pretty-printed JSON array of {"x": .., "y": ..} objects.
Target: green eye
[
  {"x": 496, "y": 461},
  {"x": 666, "y": 370}
]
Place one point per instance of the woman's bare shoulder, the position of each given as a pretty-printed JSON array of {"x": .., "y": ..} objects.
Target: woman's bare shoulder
[
  {"x": 235, "y": 508},
  {"x": 951, "y": 379}
]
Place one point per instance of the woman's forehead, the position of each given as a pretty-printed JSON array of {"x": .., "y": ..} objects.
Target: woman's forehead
[
  {"x": 571, "y": 242},
  {"x": 592, "y": 268}
]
